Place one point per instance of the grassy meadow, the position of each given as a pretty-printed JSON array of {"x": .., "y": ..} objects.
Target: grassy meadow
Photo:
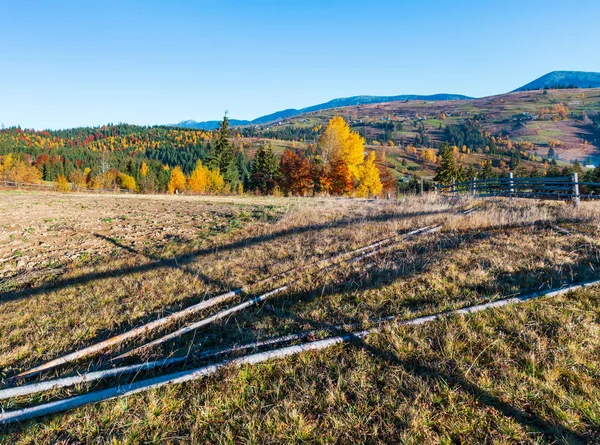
[{"x": 77, "y": 269}]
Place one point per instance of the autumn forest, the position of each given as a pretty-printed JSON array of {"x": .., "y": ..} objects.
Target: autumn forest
[{"x": 162, "y": 159}]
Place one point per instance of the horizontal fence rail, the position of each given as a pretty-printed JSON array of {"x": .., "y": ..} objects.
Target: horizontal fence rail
[{"x": 565, "y": 188}]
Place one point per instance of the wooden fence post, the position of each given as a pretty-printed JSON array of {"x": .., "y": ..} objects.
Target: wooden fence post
[
  {"x": 421, "y": 183},
  {"x": 453, "y": 187},
  {"x": 473, "y": 186},
  {"x": 575, "y": 180},
  {"x": 511, "y": 184}
]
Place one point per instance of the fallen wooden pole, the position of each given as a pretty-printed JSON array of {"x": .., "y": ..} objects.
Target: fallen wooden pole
[
  {"x": 157, "y": 382},
  {"x": 560, "y": 230},
  {"x": 93, "y": 349},
  {"x": 88, "y": 377},
  {"x": 195, "y": 374},
  {"x": 218, "y": 316},
  {"x": 70, "y": 381}
]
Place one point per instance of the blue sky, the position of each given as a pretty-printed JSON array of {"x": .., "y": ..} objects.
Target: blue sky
[{"x": 75, "y": 63}]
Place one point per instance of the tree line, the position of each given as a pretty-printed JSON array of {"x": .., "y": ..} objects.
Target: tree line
[{"x": 160, "y": 159}]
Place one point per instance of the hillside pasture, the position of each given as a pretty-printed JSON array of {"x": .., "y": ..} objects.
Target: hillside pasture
[{"x": 502, "y": 115}]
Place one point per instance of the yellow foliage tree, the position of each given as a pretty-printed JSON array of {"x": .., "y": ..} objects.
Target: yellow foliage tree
[
  {"x": 204, "y": 179},
  {"x": 429, "y": 155},
  {"x": 198, "y": 180},
  {"x": 339, "y": 143},
  {"x": 6, "y": 164},
  {"x": 15, "y": 169},
  {"x": 177, "y": 181},
  {"x": 144, "y": 169},
  {"x": 369, "y": 183},
  {"x": 61, "y": 184},
  {"x": 216, "y": 182},
  {"x": 411, "y": 150},
  {"x": 126, "y": 182}
]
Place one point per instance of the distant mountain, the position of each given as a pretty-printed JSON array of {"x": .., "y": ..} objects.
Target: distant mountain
[
  {"x": 355, "y": 100},
  {"x": 335, "y": 103},
  {"x": 206, "y": 125},
  {"x": 564, "y": 79}
]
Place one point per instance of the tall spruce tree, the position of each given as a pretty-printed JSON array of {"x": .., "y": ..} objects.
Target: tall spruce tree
[
  {"x": 447, "y": 169},
  {"x": 221, "y": 157},
  {"x": 265, "y": 170}
]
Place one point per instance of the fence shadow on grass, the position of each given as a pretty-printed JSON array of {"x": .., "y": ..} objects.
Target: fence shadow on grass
[
  {"x": 171, "y": 264},
  {"x": 417, "y": 261},
  {"x": 182, "y": 260}
]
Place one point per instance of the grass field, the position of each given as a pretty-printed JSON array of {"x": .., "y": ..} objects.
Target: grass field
[{"x": 76, "y": 269}]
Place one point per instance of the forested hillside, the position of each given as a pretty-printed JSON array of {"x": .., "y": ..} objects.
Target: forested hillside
[
  {"x": 96, "y": 154},
  {"x": 533, "y": 133},
  {"x": 159, "y": 159}
]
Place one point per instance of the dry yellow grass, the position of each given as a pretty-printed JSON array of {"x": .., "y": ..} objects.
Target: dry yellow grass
[{"x": 494, "y": 377}]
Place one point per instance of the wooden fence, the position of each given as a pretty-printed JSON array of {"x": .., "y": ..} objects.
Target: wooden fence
[{"x": 566, "y": 188}]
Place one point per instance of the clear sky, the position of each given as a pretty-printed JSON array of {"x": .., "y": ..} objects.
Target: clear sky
[{"x": 85, "y": 62}]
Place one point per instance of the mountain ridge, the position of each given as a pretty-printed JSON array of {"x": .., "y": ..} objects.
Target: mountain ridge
[
  {"x": 334, "y": 103},
  {"x": 552, "y": 80}
]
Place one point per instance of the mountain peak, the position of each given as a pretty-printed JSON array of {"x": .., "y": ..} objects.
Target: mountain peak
[{"x": 564, "y": 79}]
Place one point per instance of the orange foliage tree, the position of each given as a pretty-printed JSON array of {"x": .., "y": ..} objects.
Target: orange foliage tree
[
  {"x": 295, "y": 174},
  {"x": 16, "y": 169},
  {"x": 337, "y": 179}
]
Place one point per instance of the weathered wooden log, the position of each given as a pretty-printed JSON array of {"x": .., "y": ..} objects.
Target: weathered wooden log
[
  {"x": 193, "y": 326},
  {"x": 88, "y": 377},
  {"x": 113, "y": 341},
  {"x": 560, "y": 230},
  {"x": 140, "y": 330}
]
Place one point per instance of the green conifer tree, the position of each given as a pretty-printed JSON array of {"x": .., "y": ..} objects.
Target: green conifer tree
[
  {"x": 265, "y": 170},
  {"x": 221, "y": 157},
  {"x": 447, "y": 169}
]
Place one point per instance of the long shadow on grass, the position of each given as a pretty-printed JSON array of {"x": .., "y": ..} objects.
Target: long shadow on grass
[
  {"x": 417, "y": 258},
  {"x": 414, "y": 264},
  {"x": 192, "y": 256},
  {"x": 452, "y": 375},
  {"x": 173, "y": 264},
  {"x": 412, "y": 261}
]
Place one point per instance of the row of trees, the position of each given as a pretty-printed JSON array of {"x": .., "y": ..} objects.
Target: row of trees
[{"x": 336, "y": 166}]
